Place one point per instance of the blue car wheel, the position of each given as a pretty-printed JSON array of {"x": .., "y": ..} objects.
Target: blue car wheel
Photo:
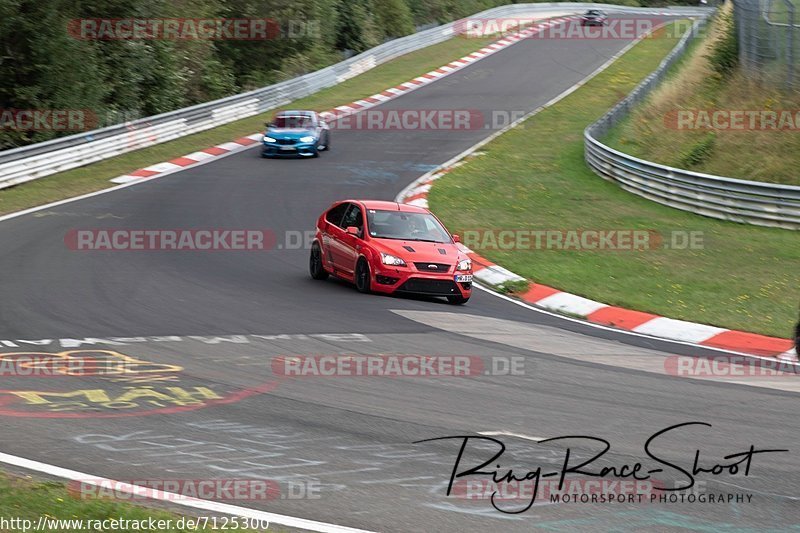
[{"x": 327, "y": 144}]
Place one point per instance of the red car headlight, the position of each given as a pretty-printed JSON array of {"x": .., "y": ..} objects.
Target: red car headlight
[
  {"x": 464, "y": 264},
  {"x": 388, "y": 259}
]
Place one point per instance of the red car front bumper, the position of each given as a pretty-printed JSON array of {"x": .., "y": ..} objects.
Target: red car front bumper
[{"x": 388, "y": 280}]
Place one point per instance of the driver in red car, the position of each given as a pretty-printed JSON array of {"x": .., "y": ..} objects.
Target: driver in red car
[{"x": 417, "y": 228}]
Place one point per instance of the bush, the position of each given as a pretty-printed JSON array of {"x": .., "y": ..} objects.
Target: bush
[
  {"x": 724, "y": 56},
  {"x": 699, "y": 152}
]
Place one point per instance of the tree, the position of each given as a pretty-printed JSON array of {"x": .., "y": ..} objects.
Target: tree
[
  {"x": 46, "y": 64},
  {"x": 351, "y": 26},
  {"x": 393, "y": 18}
]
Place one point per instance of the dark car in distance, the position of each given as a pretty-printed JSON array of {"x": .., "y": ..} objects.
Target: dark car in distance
[{"x": 594, "y": 17}]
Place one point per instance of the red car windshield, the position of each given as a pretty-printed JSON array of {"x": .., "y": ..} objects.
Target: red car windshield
[
  {"x": 292, "y": 122},
  {"x": 405, "y": 226}
]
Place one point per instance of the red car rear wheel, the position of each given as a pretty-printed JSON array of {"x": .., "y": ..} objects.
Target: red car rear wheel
[{"x": 315, "y": 267}]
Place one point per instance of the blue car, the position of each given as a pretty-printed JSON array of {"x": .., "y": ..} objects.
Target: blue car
[{"x": 296, "y": 133}]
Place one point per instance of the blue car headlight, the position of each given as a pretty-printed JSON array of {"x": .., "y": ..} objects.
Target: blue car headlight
[
  {"x": 268, "y": 139},
  {"x": 307, "y": 139}
]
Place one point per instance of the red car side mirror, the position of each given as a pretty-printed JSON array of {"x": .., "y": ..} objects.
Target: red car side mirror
[
  {"x": 456, "y": 238},
  {"x": 352, "y": 230}
]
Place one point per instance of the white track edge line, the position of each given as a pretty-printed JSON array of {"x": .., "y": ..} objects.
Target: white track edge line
[
  {"x": 595, "y": 325},
  {"x": 186, "y": 501},
  {"x": 123, "y": 186}
]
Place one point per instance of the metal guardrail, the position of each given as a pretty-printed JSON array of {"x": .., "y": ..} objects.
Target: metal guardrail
[
  {"x": 27, "y": 163},
  {"x": 752, "y": 202},
  {"x": 769, "y": 13}
]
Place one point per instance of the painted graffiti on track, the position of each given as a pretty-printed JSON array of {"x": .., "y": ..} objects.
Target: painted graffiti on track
[
  {"x": 93, "y": 378},
  {"x": 106, "y": 384}
]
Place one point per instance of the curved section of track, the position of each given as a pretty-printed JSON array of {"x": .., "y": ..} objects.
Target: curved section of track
[{"x": 215, "y": 409}]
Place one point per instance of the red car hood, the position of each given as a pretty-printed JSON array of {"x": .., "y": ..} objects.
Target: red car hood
[{"x": 419, "y": 251}]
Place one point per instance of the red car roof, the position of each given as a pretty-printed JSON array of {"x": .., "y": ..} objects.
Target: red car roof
[{"x": 390, "y": 206}]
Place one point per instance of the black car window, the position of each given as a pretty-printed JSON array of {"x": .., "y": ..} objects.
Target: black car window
[
  {"x": 293, "y": 122},
  {"x": 353, "y": 218},
  {"x": 335, "y": 214},
  {"x": 403, "y": 225}
]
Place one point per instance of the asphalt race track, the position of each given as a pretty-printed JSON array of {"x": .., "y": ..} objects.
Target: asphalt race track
[{"x": 201, "y": 331}]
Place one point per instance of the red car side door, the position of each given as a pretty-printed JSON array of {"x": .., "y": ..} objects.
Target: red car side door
[
  {"x": 350, "y": 245},
  {"x": 333, "y": 234}
]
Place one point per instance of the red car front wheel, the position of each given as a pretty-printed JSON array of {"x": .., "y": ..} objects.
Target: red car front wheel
[{"x": 362, "y": 276}]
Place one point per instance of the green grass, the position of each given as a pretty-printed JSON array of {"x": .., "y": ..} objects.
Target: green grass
[
  {"x": 535, "y": 177},
  {"x": 25, "y": 498},
  {"x": 769, "y": 155},
  {"x": 95, "y": 177}
]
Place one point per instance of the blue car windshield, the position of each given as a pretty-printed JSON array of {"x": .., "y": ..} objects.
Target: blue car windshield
[
  {"x": 290, "y": 122},
  {"x": 405, "y": 226}
]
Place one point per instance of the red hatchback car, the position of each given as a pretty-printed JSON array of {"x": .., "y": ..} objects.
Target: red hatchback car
[{"x": 389, "y": 247}]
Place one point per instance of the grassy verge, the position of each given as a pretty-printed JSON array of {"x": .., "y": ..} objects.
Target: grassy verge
[
  {"x": 94, "y": 177},
  {"x": 26, "y": 499},
  {"x": 653, "y": 132},
  {"x": 535, "y": 177}
]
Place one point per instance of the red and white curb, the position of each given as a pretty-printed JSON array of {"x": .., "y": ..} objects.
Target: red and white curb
[
  {"x": 189, "y": 160},
  {"x": 243, "y": 143},
  {"x": 562, "y": 302}
]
